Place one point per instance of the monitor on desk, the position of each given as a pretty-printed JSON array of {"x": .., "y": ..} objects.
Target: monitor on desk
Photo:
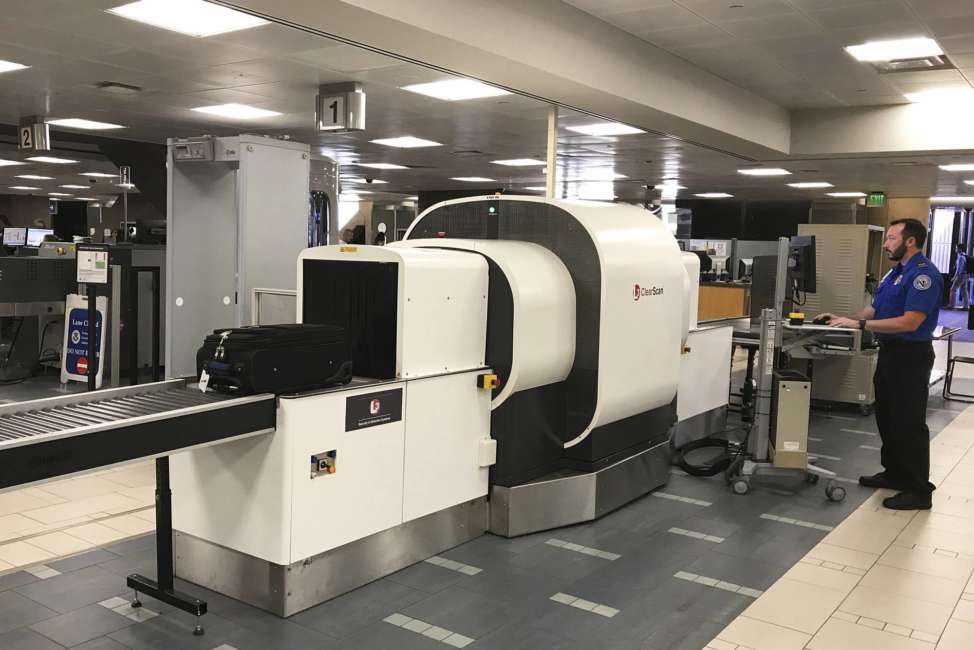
[
  {"x": 801, "y": 262},
  {"x": 35, "y": 236},
  {"x": 14, "y": 236}
]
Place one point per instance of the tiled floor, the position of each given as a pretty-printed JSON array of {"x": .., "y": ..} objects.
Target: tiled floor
[{"x": 771, "y": 570}]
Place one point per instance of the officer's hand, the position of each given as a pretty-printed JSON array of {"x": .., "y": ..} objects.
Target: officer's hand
[
  {"x": 827, "y": 316},
  {"x": 842, "y": 321}
]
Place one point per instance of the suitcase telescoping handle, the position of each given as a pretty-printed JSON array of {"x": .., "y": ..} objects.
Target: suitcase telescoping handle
[{"x": 220, "y": 351}]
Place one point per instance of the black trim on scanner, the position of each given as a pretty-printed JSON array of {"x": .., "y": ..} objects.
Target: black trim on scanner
[{"x": 44, "y": 460}]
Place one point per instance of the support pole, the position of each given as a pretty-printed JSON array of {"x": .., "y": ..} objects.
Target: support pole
[{"x": 552, "y": 153}]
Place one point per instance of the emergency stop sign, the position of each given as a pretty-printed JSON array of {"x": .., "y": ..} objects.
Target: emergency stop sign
[{"x": 82, "y": 366}]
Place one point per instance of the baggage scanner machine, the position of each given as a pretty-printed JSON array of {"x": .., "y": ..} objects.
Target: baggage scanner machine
[{"x": 580, "y": 310}]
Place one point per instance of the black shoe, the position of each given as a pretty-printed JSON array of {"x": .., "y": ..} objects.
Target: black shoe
[
  {"x": 908, "y": 501},
  {"x": 879, "y": 481}
]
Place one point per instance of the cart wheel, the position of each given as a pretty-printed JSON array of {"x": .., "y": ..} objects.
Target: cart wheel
[
  {"x": 835, "y": 492},
  {"x": 866, "y": 409},
  {"x": 811, "y": 478},
  {"x": 741, "y": 486}
]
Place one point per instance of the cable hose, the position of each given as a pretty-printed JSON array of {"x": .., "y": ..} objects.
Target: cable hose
[{"x": 720, "y": 464}]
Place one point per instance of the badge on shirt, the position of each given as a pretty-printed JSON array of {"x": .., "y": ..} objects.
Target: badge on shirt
[{"x": 922, "y": 282}]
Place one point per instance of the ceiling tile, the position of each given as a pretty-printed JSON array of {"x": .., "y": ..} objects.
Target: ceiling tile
[
  {"x": 791, "y": 24},
  {"x": 852, "y": 15},
  {"x": 952, "y": 26},
  {"x": 704, "y": 34},
  {"x": 933, "y": 9},
  {"x": 656, "y": 18},
  {"x": 723, "y": 10},
  {"x": 346, "y": 58},
  {"x": 607, "y": 7},
  {"x": 962, "y": 44}
]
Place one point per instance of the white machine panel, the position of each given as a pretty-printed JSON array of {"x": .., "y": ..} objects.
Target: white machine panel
[
  {"x": 442, "y": 311},
  {"x": 705, "y": 371},
  {"x": 543, "y": 337},
  {"x": 691, "y": 264},
  {"x": 446, "y": 419}
]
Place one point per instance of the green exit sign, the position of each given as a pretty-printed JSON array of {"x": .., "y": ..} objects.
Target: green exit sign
[{"x": 876, "y": 199}]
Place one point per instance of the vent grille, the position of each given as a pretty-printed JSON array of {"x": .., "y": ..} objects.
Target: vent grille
[{"x": 914, "y": 65}]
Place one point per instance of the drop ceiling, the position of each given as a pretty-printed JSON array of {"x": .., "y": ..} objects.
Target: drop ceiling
[{"x": 73, "y": 46}]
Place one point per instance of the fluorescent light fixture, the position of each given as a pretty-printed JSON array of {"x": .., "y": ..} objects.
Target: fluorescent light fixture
[
  {"x": 9, "y": 163},
  {"x": 23, "y": 187},
  {"x": 596, "y": 174},
  {"x": 670, "y": 185},
  {"x": 453, "y": 90},
  {"x": 764, "y": 171},
  {"x": 86, "y": 198},
  {"x": 236, "y": 111},
  {"x": 35, "y": 177},
  {"x": 406, "y": 142},
  {"x": 375, "y": 181},
  {"x": 961, "y": 167},
  {"x": 10, "y": 66},
  {"x": 941, "y": 94},
  {"x": 190, "y": 17},
  {"x": 952, "y": 199},
  {"x": 125, "y": 186},
  {"x": 59, "y": 194},
  {"x": 74, "y": 187},
  {"x": 810, "y": 185},
  {"x": 605, "y": 129},
  {"x": 846, "y": 195},
  {"x": 969, "y": 182},
  {"x": 714, "y": 195},
  {"x": 78, "y": 123},
  {"x": 52, "y": 160},
  {"x": 894, "y": 50},
  {"x": 519, "y": 162},
  {"x": 536, "y": 188},
  {"x": 97, "y": 174},
  {"x": 381, "y": 165},
  {"x": 473, "y": 179}
]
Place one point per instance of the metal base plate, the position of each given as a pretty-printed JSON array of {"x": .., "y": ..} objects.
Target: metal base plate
[
  {"x": 287, "y": 590},
  {"x": 564, "y": 500}
]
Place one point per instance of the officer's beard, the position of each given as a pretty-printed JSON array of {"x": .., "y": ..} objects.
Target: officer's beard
[{"x": 898, "y": 254}]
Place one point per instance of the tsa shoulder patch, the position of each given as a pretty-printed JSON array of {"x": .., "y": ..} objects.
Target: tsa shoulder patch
[{"x": 922, "y": 282}]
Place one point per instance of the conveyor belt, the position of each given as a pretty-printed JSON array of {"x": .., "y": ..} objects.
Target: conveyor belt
[{"x": 46, "y": 438}]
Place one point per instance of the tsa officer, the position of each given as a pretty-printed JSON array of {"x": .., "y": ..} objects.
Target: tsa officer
[{"x": 903, "y": 316}]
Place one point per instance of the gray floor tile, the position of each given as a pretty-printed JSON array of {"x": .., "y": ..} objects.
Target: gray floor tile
[
  {"x": 81, "y": 625},
  {"x": 83, "y": 560},
  {"x": 748, "y": 572},
  {"x": 18, "y": 611},
  {"x": 526, "y": 637},
  {"x": 352, "y": 613},
  {"x": 677, "y": 631},
  {"x": 26, "y": 639},
  {"x": 461, "y": 611},
  {"x": 71, "y": 591},
  {"x": 16, "y": 579},
  {"x": 142, "y": 561},
  {"x": 103, "y": 643},
  {"x": 384, "y": 636},
  {"x": 426, "y": 577},
  {"x": 281, "y": 635},
  {"x": 171, "y": 632},
  {"x": 133, "y": 545}
]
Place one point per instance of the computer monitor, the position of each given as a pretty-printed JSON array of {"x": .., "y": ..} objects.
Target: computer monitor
[
  {"x": 35, "y": 236},
  {"x": 801, "y": 262},
  {"x": 14, "y": 236}
]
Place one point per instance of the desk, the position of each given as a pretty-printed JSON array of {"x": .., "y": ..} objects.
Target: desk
[
  {"x": 939, "y": 334},
  {"x": 719, "y": 300}
]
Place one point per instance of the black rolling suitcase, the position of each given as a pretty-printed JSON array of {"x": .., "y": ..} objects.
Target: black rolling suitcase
[{"x": 275, "y": 358}]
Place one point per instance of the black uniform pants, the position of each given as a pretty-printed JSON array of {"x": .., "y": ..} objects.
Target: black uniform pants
[{"x": 902, "y": 383}]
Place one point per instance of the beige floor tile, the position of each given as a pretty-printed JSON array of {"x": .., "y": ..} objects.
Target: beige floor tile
[
  {"x": 12, "y": 525},
  {"x": 956, "y": 489},
  {"x": 759, "y": 635},
  {"x": 845, "y": 556},
  {"x": 87, "y": 506},
  {"x": 19, "y": 501},
  {"x": 913, "y": 585},
  {"x": 795, "y": 605},
  {"x": 60, "y": 544},
  {"x": 23, "y": 554},
  {"x": 938, "y": 538},
  {"x": 148, "y": 514},
  {"x": 75, "y": 489},
  {"x": 97, "y": 534},
  {"x": 129, "y": 524},
  {"x": 964, "y": 611},
  {"x": 941, "y": 521},
  {"x": 945, "y": 504},
  {"x": 133, "y": 476},
  {"x": 823, "y": 577},
  {"x": 920, "y": 615},
  {"x": 959, "y": 635},
  {"x": 928, "y": 563},
  {"x": 860, "y": 537},
  {"x": 842, "y": 635}
]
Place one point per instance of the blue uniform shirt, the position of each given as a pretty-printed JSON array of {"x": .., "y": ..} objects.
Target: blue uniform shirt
[{"x": 914, "y": 286}]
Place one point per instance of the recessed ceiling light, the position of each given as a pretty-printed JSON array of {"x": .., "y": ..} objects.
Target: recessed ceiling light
[
  {"x": 605, "y": 129},
  {"x": 453, "y": 90},
  {"x": 670, "y": 186},
  {"x": 473, "y": 179},
  {"x": 86, "y": 198},
  {"x": 961, "y": 167},
  {"x": 381, "y": 165},
  {"x": 9, "y": 163},
  {"x": 78, "y": 123},
  {"x": 23, "y": 187},
  {"x": 952, "y": 199},
  {"x": 10, "y": 66},
  {"x": 98, "y": 174},
  {"x": 125, "y": 186},
  {"x": 764, "y": 171},
  {"x": 519, "y": 162},
  {"x": 35, "y": 177},
  {"x": 809, "y": 185},
  {"x": 74, "y": 187},
  {"x": 894, "y": 50},
  {"x": 191, "y": 17},
  {"x": 536, "y": 188},
  {"x": 715, "y": 195},
  {"x": 597, "y": 174},
  {"x": 59, "y": 194},
  {"x": 941, "y": 94},
  {"x": 406, "y": 142},
  {"x": 52, "y": 160},
  {"x": 374, "y": 181},
  {"x": 969, "y": 182},
  {"x": 846, "y": 195},
  {"x": 236, "y": 111}
]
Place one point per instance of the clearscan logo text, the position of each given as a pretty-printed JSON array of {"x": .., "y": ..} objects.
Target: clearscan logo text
[{"x": 644, "y": 292}]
